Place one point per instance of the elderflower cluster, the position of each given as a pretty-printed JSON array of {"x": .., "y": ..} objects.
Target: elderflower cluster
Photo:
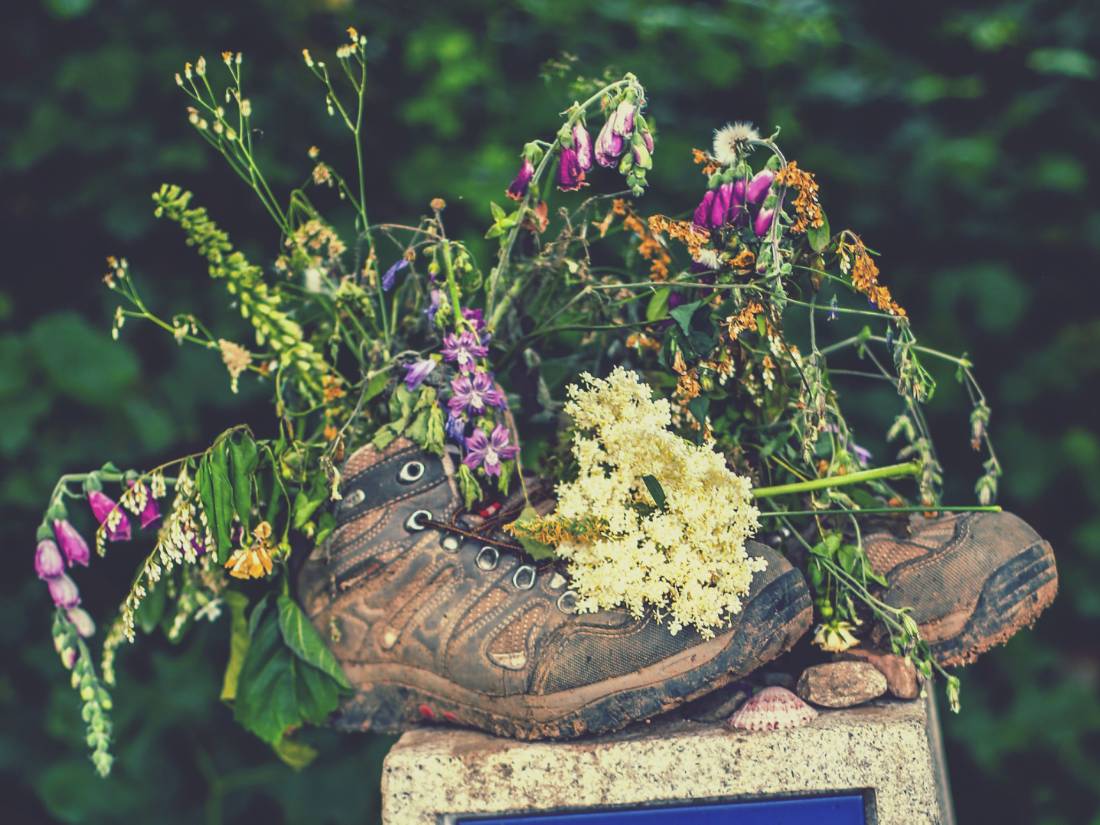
[{"x": 684, "y": 559}]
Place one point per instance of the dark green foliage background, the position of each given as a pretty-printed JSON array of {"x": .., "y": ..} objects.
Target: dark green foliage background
[{"x": 960, "y": 137}]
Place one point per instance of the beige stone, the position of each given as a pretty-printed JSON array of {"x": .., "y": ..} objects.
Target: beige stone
[
  {"x": 885, "y": 750},
  {"x": 841, "y": 684},
  {"x": 901, "y": 675}
]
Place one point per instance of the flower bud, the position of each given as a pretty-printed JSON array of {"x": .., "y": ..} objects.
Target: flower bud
[
  {"x": 48, "y": 562},
  {"x": 63, "y": 591},
  {"x": 68, "y": 657},
  {"x": 518, "y": 189},
  {"x": 107, "y": 512},
  {"x": 758, "y": 187},
  {"x": 582, "y": 143},
  {"x": 763, "y": 222},
  {"x": 83, "y": 622},
  {"x": 72, "y": 543}
]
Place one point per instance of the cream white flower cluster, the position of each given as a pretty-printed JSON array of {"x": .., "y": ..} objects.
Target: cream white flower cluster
[{"x": 686, "y": 561}]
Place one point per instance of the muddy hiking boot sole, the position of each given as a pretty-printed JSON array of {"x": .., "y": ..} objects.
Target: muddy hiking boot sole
[
  {"x": 432, "y": 625},
  {"x": 972, "y": 579}
]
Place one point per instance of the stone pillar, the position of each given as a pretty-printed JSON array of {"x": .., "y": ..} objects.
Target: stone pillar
[{"x": 886, "y": 754}]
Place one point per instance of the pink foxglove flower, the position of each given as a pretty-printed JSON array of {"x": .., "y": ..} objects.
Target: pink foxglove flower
[
  {"x": 488, "y": 451},
  {"x": 517, "y": 190},
  {"x": 704, "y": 210},
  {"x": 609, "y": 144},
  {"x": 63, "y": 591},
  {"x": 763, "y": 222},
  {"x": 570, "y": 173},
  {"x": 107, "y": 512},
  {"x": 150, "y": 513},
  {"x": 72, "y": 543},
  {"x": 758, "y": 187},
  {"x": 582, "y": 143},
  {"x": 48, "y": 561}
]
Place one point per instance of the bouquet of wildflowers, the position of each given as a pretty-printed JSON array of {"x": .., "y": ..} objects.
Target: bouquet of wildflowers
[{"x": 710, "y": 408}]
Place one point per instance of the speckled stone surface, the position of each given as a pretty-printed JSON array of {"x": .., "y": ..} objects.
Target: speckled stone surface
[{"x": 886, "y": 750}]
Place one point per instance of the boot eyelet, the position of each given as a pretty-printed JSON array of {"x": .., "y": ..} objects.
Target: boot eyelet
[
  {"x": 417, "y": 521},
  {"x": 487, "y": 558},
  {"x": 567, "y": 602},
  {"x": 528, "y": 574},
  {"x": 451, "y": 543},
  {"x": 352, "y": 499},
  {"x": 411, "y": 471}
]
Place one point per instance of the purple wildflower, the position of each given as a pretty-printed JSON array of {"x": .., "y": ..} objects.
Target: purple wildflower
[
  {"x": 463, "y": 349},
  {"x": 758, "y": 187},
  {"x": 704, "y": 209},
  {"x": 48, "y": 561},
  {"x": 517, "y": 191},
  {"x": 582, "y": 142},
  {"x": 476, "y": 319},
  {"x": 862, "y": 454},
  {"x": 72, "y": 543},
  {"x": 737, "y": 203},
  {"x": 63, "y": 591},
  {"x": 80, "y": 619},
  {"x": 570, "y": 174},
  {"x": 389, "y": 277},
  {"x": 488, "y": 451},
  {"x": 417, "y": 371},
  {"x": 720, "y": 209},
  {"x": 472, "y": 393},
  {"x": 455, "y": 427},
  {"x": 102, "y": 507},
  {"x": 609, "y": 144},
  {"x": 763, "y": 222}
]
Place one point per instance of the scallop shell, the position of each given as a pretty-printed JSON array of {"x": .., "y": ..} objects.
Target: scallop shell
[{"x": 773, "y": 708}]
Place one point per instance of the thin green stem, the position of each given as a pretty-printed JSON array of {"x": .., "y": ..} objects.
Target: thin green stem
[
  {"x": 937, "y": 508},
  {"x": 909, "y": 468}
]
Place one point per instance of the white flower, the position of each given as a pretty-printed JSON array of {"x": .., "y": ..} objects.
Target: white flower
[{"x": 732, "y": 140}]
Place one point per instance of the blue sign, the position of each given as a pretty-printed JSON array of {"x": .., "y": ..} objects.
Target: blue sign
[{"x": 822, "y": 810}]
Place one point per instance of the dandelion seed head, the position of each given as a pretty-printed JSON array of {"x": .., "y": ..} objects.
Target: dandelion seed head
[{"x": 732, "y": 141}]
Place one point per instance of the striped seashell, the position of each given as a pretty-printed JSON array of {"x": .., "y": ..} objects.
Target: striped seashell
[{"x": 773, "y": 708}]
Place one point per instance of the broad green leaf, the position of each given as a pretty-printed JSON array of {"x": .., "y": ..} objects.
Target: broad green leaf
[
  {"x": 819, "y": 236},
  {"x": 309, "y": 499},
  {"x": 848, "y": 556},
  {"x": 218, "y": 468},
  {"x": 376, "y": 384},
  {"x": 267, "y": 698},
  {"x": 658, "y": 305},
  {"x": 238, "y": 643},
  {"x": 317, "y": 693},
  {"x": 243, "y": 459},
  {"x": 301, "y": 637},
  {"x": 468, "y": 486},
  {"x": 682, "y": 315},
  {"x": 325, "y": 525}
]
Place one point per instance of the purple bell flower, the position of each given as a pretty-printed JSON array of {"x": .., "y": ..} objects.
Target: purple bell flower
[
  {"x": 582, "y": 143},
  {"x": 435, "y": 300},
  {"x": 517, "y": 191},
  {"x": 389, "y": 277},
  {"x": 720, "y": 208},
  {"x": 48, "y": 561},
  {"x": 758, "y": 187},
  {"x": 570, "y": 173},
  {"x": 463, "y": 349},
  {"x": 609, "y": 144},
  {"x": 763, "y": 222},
  {"x": 72, "y": 543},
  {"x": 150, "y": 513},
  {"x": 473, "y": 393},
  {"x": 736, "y": 214},
  {"x": 455, "y": 428},
  {"x": 102, "y": 507},
  {"x": 624, "y": 118},
  {"x": 704, "y": 210},
  {"x": 417, "y": 371},
  {"x": 80, "y": 619},
  {"x": 63, "y": 591},
  {"x": 488, "y": 451}
]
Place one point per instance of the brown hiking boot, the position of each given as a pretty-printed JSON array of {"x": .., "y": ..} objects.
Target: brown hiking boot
[
  {"x": 972, "y": 579},
  {"x": 434, "y": 624}
]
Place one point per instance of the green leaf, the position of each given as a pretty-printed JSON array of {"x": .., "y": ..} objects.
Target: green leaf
[
  {"x": 325, "y": 525},
  {"x": 682, "y": 315},
  {"x": 238, "y": 643},
  {"x": 468, "y": 486},
  {"x": 698, "y": 407},
  {"x": 150, "y": 610},
  {"x": 657, "y": 308},
  {"x": 267, "y": 699},
  {"x": 655, "y": 490},
  {"x": 376, "y": 384},
  {"x": 301, "y": 637},
  {"x": 848, "y": 556},
  {"x": 293, "y": 753},
  {"x": 223, "y": 499},
  {"x": 819, "y": 236},
  {"x": 537, "y": 550},
  {"x": 317, "y": 693},
  {"x": 243, "y": 459},
  {"x": 309, "y": 499}
]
